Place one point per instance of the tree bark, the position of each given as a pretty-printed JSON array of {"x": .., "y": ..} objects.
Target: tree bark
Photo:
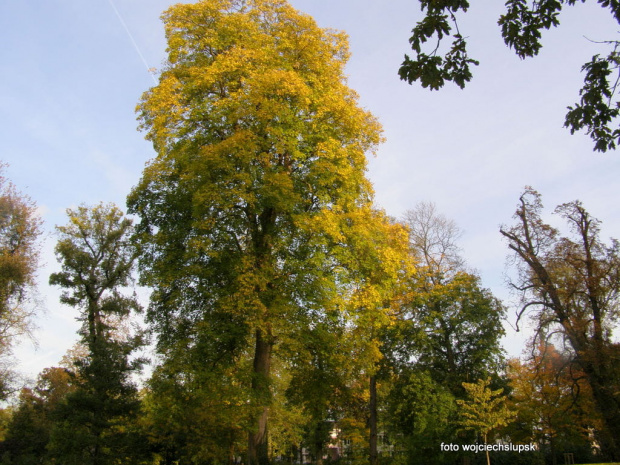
[
  {"x": 258, "y": 451},
  {"x": 319, "y": 453},
  {"x": 599, "y": 376},
  {"x": 374, "y": 453}
]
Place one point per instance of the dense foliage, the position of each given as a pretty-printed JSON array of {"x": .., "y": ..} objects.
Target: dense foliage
[
  {"x": 256, "y": 219},
  {"x": 94, "y": 422}
]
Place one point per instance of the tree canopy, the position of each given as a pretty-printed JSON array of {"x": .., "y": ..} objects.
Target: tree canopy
[
  {"x": 553, "y": 402},
  {"x": 447, "y": 331},
  {"x": 256, "y": 216},
  {"x": 521, "y": 26}
]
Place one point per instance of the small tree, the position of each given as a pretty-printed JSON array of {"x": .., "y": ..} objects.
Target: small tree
[{"x": 485, "y": 410}]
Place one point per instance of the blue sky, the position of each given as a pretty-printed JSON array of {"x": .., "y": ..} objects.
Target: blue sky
[{"x": 70, "y": 78}]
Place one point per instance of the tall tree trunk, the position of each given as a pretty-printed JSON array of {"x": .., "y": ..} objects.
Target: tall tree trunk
[
  {"x": 598, "y": 361},
  {"x": 374, "y": 454},
  {"x": 319, "y": 435},
  {"x": 258, "y": 452},
  {"x": 608, "y": 405},
  {"x": 319, "y": 453}
]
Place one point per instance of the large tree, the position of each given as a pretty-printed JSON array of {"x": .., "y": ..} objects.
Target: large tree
[
  {"x": 521, "y": 27},
  {"x": 450, "y": 325},
  {"x": 570, "y": 285},
  {"x": 447, "y": 332},
  {"x": 256, "y": 216},
  {"x": 94, "y": 423}
]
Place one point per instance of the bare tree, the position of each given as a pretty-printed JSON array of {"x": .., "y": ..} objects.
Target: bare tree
[{"x": 433, "y": 239}]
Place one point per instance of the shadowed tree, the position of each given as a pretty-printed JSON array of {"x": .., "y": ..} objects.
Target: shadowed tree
[
  {"x": 94, "y": 425},
  {"x": 451, "y": 325},
  {"x": 570, "y": 285}
]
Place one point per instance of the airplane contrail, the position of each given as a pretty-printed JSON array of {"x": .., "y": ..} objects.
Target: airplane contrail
[{"x": 135, "y": 45}]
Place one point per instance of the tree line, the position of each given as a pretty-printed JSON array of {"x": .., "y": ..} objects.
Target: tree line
[{"x": 292, "y": 319}]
